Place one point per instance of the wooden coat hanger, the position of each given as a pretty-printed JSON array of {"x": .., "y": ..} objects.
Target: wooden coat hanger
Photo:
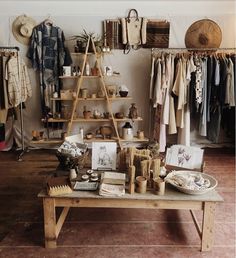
[{"x": 48, "y": 21}]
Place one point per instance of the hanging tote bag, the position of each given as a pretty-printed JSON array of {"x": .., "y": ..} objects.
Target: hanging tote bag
[{"x": 133, "y": 31}]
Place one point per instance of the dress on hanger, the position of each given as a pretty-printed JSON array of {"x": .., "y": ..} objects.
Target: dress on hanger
[{"x": 47, "y": 54}]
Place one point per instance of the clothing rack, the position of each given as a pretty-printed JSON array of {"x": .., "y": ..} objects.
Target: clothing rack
[
  {"x": 192, "y": 49},
  {"x": 2, "y": 48},
  {"x": 199, "y": 52}
]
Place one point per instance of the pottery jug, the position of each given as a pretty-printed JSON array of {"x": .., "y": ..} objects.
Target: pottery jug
[
  {"x": 133, "y": 111},
  {"x": 127, "y": 131}
]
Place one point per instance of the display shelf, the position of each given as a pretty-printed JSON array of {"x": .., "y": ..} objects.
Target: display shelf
[
  {"x": 92, "y": 99},
  {"x": 95, "y": 139},
  {"x": 47, "y": 141},
  {"x": 135, "y": 139},
  {"x": 60, "y": 99},
  {"x": 80, "y": 76},
  {"x": 54, "y": 120},
  {"x": 88, "y": 76},
  {"x": 120, "y": 98},
  {"x": 128, "y": 119},
  {"x": 104, "y": 82},
  {"x": 82, "y": 54},
  {"x": 81, "y": 119}
]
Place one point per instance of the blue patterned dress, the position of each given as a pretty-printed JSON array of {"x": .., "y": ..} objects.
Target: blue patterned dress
[{"x": 47, "y": 54}]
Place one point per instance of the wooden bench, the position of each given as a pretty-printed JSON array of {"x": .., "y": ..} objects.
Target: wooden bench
[{"x": 171, "y": 200}]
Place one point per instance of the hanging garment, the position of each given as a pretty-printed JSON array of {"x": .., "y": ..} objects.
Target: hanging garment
[
  {"x": 2, "y": 136},
  {"x": 157, "y": 95},
  {"x": 223, "y": 77},
  {"x": 159, "y": 133},
  {"x": 213, "y": 128},
  {"x": 166, "y": 102},
  {"x": 47, "y": 54},
  {"x": 217, "y": 101},
  {"x": 162, "y": 136},
  {"x": 152, "y": 78},
  {"x": 210, "y": 75},
  {"x": 3, "y": 90},
  {"x": 203, "y": 107},
  {"x": 17, "y": 91},
  {"x": 184, "y": 133},
  {"x": 233, "y": 58},
  {"x": 198, "y": 85},
  {"x": 179, "y": 89},
  {"x": 229, "y": 94},
  {"x": 172, "y": 121}
]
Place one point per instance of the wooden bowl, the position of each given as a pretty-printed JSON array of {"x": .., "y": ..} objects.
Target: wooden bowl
[
  {"x": 89, "y": 136},
  {"x": 119, "y": 115}
]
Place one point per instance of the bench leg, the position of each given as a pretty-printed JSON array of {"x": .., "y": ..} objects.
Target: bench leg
[
  {"x": 49, "y": 223},
  {"x": 208, "y": 226}
]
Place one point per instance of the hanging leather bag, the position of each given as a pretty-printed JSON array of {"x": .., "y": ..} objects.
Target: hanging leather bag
[{"x": 133, "y": 31}]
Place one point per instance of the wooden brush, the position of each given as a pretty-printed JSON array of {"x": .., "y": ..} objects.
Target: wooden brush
[{"x": 58, "y": 186}]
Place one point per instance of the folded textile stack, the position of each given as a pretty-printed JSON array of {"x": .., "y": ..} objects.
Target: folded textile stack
[{"x": 112, "y": 184}]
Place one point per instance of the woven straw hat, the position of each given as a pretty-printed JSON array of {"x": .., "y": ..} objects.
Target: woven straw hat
[
  {"x": 22, "y": 28},
  {"x": 203, "y": 34}
]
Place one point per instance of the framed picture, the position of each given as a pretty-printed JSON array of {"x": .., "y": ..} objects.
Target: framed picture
[
  {"x": 66, "y": 70},
  {"x": 108, "y": 70},
  {"x": 184, "y": 157},
  {"x": 104, "y": 155}
]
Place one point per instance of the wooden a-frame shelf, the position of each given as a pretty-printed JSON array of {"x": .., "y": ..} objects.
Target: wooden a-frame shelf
[{"x": 75, "y": 102}]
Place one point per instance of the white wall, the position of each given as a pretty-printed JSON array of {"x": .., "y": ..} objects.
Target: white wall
[{"x": 73, "y": 16}]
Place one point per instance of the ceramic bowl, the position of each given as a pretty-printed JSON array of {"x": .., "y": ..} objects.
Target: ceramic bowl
[
  {"x": 123, "y": 93},
  {"x": 212, "y": 180},
  {"x": 119, "y": 115},
  {"x": 89, "y": 136}
]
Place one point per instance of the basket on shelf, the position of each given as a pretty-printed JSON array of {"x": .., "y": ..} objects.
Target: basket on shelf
[{"x": 67, "y": 161}]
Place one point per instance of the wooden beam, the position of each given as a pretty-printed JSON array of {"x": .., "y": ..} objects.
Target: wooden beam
[
  {"x": 127, "y": 203},
  {"x": 208, "y": 226},
  {"x": 49, "y": 222},
  {"x": 78, "y": 86},
  {"x": 61, "y": 220},
  {"x": 196, "y": 223}
]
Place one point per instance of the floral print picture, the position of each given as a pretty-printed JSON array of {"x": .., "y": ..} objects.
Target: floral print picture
[{"x": 184, "y": 157}]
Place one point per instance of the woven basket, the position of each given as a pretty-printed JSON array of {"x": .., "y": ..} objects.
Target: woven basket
[{"x": 67, "y": 162}]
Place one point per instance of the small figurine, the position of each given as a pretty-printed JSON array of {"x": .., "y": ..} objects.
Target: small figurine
[
  {"x": 133, "y": 114},
  {"x": 74, "y": 73}
]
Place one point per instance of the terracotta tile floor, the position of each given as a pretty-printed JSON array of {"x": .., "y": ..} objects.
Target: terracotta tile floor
[{"x": 108, "y": 233}]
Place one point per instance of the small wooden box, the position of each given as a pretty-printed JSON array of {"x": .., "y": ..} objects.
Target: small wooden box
[{"x": 66, "y": 94}]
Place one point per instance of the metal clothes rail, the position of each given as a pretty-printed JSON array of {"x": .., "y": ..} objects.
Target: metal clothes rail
[
  {"x": 192, "y": 49},
  {"x": 2, "y": 49}
]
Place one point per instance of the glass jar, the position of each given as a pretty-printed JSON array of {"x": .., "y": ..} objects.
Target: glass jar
[{"x": 65, "y": 113}]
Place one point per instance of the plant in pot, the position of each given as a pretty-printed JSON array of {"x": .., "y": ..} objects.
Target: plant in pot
[
  {"x": 86, "y": 113},
  {"x": 82, "y": 40}
]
